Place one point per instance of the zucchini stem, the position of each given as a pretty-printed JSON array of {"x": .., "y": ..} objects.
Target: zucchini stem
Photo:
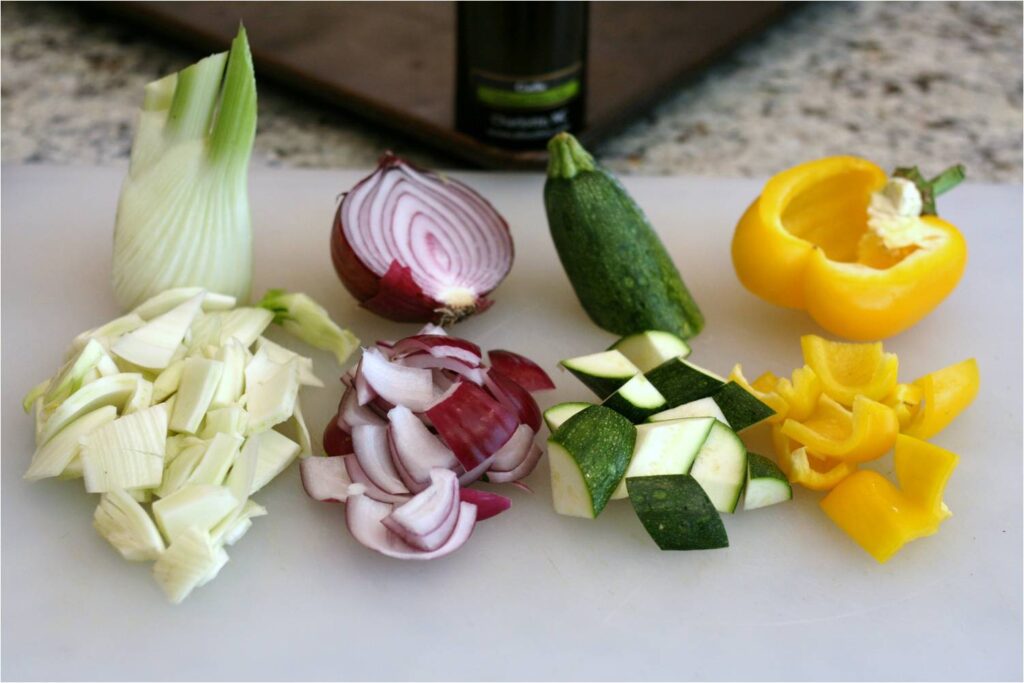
[{"x": 567, "y": 157}]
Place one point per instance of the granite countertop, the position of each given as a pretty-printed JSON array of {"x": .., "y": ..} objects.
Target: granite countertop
[{"x": 925, "y": 83}]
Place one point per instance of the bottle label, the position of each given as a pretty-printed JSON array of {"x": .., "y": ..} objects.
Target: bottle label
[{"x": 527, "y": 107}]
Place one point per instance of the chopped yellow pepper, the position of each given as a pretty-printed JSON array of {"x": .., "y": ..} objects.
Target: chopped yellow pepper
[
  {"x": 766, "y": 382},
  {"x": 848, "y": 370},
  {"x": 819, "y": 238},
  {"x": 801, "y": 393},
  {"x": 866, "y": 433},
  {"x": 946, "y": 393},
  {"x": 882, "y": 518},
  {"x": 769, "y": 398},
  {"x": 904, "y": 399},
  {"x": 814, "y": 472}
]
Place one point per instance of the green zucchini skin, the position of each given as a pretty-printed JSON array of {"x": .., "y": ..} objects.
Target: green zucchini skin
[
  {"x": 618, "y": 267},
  {"x": 676, "y": 512},
  {"x": 740, "y": 408},
  {"x": 681, "y": 382}
]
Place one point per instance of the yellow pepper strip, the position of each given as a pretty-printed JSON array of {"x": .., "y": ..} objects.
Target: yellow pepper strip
[
  {"x": 766, "y": 382},
  {"x": 814, "y": 472},
  {"x": 769, "y": 398},
  {"x": 805, "y": 243},
  {"x": 882, "y": 518},
  {"x": 848, "y": 370},
  {"x": 801, "y": 393},
  {"x": 904, "y": 399},
  {"x": 866, "y": 433},
  {"x": 947, "y": 392}
]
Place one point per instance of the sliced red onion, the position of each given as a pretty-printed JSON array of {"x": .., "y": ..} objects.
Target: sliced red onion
[
  {"x": 364, "y": 392},
  {"x": 398, "y": 384},
  {"x": 487, "y": 504},
  {"x": 520, "y": 370},
  {"x": 358, "y": 476},
  {"x": 336, "y": 440},
  {"x": 471, "y": 423},
  {"x": 519, "y": 483},
  {"x": 468, "y": 477},
  {"x": 431, "y": 328},
  {"x": 413, "y": 246},
  {"x": 418, "y": 450},
  {"x": 515, "y": 450},
  {"x": 364, "y": 517},
  {"x": 425, "y": 360},
  {"x": 351, "y": 414},
  {"x": 403, "y": 474},
  {"x": 371, "y": 446},
  {"x": 441, "y": 347},
  {"x": 427, "y": 520},
  {"x": 523, "y": 470},
  {"x": 514, "y": 397},
  {"x": 442, "y": 382},
  {"x": 326, "y": 479}
]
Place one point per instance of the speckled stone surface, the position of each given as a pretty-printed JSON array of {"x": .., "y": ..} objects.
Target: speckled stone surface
[{"x": 926, "y": 83}]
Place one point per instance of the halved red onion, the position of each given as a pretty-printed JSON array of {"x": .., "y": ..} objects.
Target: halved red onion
[
  {"x": 515, "y": 450},
  {"x": 326, "y": 479},
  {"x": 425, "y": 360},
  {"x": 413, "y": 246},
  {"x": 371, "y": 447},
  {"x": 487, "y": 504},
  {"x": 520, "y": 370},
  {"x": 351, "y": 414},
  {"x": 398, "y": 384},
  {"x": 358, "y": 476},
  {"x": 336, "y": 440},
  {"x": 471, "y": 423},
  {"x": 441, "y": 347},
  {"x": 514, "y": 397},
  {"x": 431, "y": 328},
  {"x": 523, "y": 470},
  {"x": 364, "y": 517},
  {"x": 415, "y": 447},
  {"x": 427, "y": 520}
]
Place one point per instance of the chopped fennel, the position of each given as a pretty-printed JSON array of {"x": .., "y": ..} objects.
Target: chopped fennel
[
  {"x": 141, "y": 398},
  {"x": 181, "y": 468},
  {"x": 301, "y": 430},
  {"x": 171, "y": 298},
  {"x": 53, "y": 457},
  {"x": 71, "y": 377},
  {"x": 141, "y": 495},
  {"x": 183, "y": 215},
  {"x": 306, "y": 319},
  {"x": 106, "y": 391},
  {"x": 191, "y": 560},
  {"x": 227, "y": 420},
  {"x": 108, "y": 333},
  {"x": 199, "y": 380},
  {"x": 128, "y": 527},
  {"x": 216, "y": 460},
  {"x": 33, "y": 394},
  {"x": 195, "y": 505},
  {"x": 231, "y": 529},
  {"x": 166, "y": 383},
  {"x": 234, "y": 356},
  {"x": 126, "y": 453},
  {"x": 273, "y": 401},
  {"x": 276, "y": 452},
  {"x": 154, "y": 345},
  {"x": 244, "y": 324},
  {"x": 281, "y": 355}
]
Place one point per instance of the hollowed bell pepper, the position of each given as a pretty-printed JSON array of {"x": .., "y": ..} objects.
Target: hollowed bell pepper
[
  {"x": 801, "y": 393},
  {"x": 946, "y": 393},
  {"x": 806, "y": 243},
  {"x": 882, "y": 518},
  {"x": 866, "y": 433},
  {"x": 808, "y": 469},
  {"x": 849, "y": 370}
]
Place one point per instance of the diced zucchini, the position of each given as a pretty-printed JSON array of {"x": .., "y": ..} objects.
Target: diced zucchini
[
  {"x": 125, "y": 524},
  {"x": 275, "y": 452},
  {"x": 127, "y": 453},
  {"x": 603, "y": 372},
  {"x": 199, "y": 380},
  {"x": 636, "y": 400},
  {"x": 220, "y": 454},
  {"x": 588, "y": 456},
  {"x": 172, "y": 298},
  {"x": 153, "y": 345},
  {"x": 702, "y": 407},
  {"x": 741, "y": 408},
  {"x": 647, "y": 350},
  {"x": 53, "y": 457},
  {"x": 191, "y": 560},
  {"x": 196, "y": 505},
  {"x": 766, "y": 483},
  {"x": 272, "y": 402},
  {"x": 665, "y": 448},
  {"x": 677, "y": 512},
  {"x": 721, "y": 467},
  {"x": 680, "y": 381},
  {"x": 556, "y": 415},
  {"x": 106, "y": 391}
]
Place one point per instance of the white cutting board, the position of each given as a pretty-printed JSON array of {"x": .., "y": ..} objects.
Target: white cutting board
[{"x": 532, "y": 595}]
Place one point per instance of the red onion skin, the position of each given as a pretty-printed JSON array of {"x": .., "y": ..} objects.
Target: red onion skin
[
  {"x": 336, "y": 440},
  {"x": 520, "y": 370},
  {"x": 395, "y": 295},
  {"x": 472, "y": 424},
  {"x": 487, "y": 504}
]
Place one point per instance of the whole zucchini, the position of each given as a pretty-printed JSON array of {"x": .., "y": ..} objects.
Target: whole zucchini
[{"x": 618, "y": 267}]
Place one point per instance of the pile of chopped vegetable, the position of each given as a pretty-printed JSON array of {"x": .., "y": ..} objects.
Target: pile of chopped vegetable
[
  {"x": 420, "y": 420},
  {"x": 846, "y": 407},
  {"x": 176, "y": 414},
  {"x": 665, "y": 436}
]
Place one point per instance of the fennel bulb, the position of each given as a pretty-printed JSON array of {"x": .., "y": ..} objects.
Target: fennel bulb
[{"x": 183, "y": 216}]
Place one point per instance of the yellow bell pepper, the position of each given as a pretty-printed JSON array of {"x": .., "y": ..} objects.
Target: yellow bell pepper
[
  {"x": 946, "y": 393},
  {"x": 766, "y": 382},
  {"x": 808, "y": 469},
  {"x": 807, "y": 243},
  {"x": 882, "y": 518},
  {"x": 769, "y": 398},
  {"x": 904, "y": 399},
  {"x": 866, "y": 433},
  {"x": 801, "y": 393},
  {"x": 849, "y": 370}
]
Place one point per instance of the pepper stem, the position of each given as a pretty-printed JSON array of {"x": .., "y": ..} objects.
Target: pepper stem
[
  {"x": 930, "y": 189},
  {"x": 566, "y": 157}
]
